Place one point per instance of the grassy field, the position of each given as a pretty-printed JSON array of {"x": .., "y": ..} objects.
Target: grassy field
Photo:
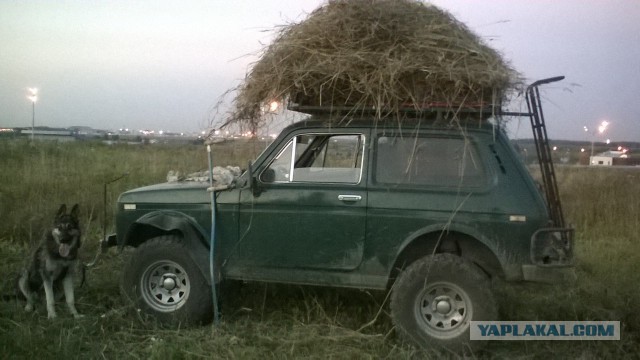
[{"x": 278, "y": 321}]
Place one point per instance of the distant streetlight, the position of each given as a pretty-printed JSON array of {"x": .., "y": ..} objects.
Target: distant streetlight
[
  {"x": 33, "y": 96},
  {"x": 601, "y": 129}
]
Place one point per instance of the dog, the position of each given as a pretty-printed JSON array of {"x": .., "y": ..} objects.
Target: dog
[{"x": 54, "y": 263}]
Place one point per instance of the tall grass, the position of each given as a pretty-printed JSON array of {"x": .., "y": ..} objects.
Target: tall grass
[
  {"x": 36, "y": 179},
  {"x": 279, "y": 321}
]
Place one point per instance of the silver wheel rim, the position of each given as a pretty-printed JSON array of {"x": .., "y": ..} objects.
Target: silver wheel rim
[
  {"x": 443, "y": 310},
  {"x": 165, "y": 286}
]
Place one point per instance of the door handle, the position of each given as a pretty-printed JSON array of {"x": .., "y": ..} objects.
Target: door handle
[{"x": 349, "y": 197}]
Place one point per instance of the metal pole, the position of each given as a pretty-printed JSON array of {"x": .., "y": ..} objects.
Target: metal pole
[
  {"x": 33, "y": 118},
  {"x": 212, "y": 243}
]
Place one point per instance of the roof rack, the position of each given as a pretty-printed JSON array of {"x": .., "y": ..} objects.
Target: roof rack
[{"x": 425, "y": 108}]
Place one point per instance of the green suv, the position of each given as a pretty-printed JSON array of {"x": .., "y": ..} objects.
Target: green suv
[{"x": 428, "y": 208}]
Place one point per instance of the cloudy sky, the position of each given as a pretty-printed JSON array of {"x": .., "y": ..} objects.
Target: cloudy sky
[{"x": 164, "y": 64}]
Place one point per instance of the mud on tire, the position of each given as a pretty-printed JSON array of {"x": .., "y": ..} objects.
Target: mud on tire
[
  {"x": 162, "y": 280},
  {"x": 435, "y": 298}
]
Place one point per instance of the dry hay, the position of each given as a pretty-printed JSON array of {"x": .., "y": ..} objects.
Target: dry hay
[{"x": 380, "y": 54}]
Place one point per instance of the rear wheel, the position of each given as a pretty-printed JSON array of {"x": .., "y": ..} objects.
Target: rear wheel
[
  {"x": 162, "y": 280},
  {"x": 435, "y": 299}
]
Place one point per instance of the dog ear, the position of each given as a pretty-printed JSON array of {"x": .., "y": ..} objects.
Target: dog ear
[
  {"x": 62, "y": 210},
  {"x": 75, "y": 210}
]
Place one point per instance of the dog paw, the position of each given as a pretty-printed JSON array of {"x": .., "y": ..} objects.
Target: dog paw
[
  {"x": 78, "y": 316},
  {"x": 52, "y": 316},
  {"x": 28, "y": 308}
]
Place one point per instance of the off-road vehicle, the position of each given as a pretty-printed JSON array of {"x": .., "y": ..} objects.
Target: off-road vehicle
[{"x": 430, "y": 205}]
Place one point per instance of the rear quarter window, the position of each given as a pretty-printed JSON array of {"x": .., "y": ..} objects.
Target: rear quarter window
[{"x": 428, "y": 161}]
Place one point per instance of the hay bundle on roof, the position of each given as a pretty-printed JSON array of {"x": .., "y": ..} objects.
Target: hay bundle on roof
[{"x": 384, "y": 54}]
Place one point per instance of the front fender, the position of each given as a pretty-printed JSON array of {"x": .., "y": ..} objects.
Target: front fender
[
  {"x": 156, "y": 223},
  {"x": 170, "y": 221}
]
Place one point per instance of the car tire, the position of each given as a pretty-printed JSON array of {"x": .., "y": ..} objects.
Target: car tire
[
  {"x": 434, "y": 300},
  {"x": 162, "y": 280}
]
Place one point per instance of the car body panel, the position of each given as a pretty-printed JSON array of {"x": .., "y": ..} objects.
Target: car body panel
[{"x": 353, "y": 233}]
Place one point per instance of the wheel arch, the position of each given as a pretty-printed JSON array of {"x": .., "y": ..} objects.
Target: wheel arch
[
  {"x": 159, "y": 223},
  {"x": 455, "y": 240}
]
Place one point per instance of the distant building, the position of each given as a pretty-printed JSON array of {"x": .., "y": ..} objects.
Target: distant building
[
  {"x": 47, "y": 133},
  {"x": 7, "y": 133},
  {"x": 611, "y": 158},
  {"x": 86, "y": 132}
]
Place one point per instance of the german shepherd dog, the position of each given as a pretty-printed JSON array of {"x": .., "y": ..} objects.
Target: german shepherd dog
[{"x": 53, "y": 263}]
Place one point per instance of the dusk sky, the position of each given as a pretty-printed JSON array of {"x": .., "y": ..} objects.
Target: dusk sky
[{"x": 165, "y": 64}]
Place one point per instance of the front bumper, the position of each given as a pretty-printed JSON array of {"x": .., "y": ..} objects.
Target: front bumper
[{"x": 109, "y": 241}]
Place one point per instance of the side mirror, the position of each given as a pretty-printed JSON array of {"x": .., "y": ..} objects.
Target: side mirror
[
  {"x": 253, "y": 181},
  {"x": 268, "y": 176}
]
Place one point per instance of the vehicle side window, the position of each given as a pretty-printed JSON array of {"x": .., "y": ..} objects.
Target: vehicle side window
[
  {"x": 281, "y": 166},
  {"x": 433, "y": 161},
  {"x": 319, "y": 158}
]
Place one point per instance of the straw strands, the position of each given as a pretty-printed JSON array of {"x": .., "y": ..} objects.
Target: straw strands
[{"x": 380, "y": 54}]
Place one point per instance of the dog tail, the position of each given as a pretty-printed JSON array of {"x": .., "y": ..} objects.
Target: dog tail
[
  {"x": 16, "y": 287},
  {"x": 83, "y": 274}
]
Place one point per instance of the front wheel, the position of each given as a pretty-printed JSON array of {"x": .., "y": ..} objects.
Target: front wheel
[
  {"x": 162, "y": 280},
  {"x": 435, "y": 299}
]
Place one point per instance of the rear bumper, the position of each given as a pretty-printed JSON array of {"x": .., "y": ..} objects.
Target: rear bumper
[
  {"x": 549, "y": 274},
  {"x": 551, "y": 256},
  {"x": 552, "y": 247}
]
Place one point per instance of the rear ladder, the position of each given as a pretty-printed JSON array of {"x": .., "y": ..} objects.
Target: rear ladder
[
  {"x": 557, "y": 236},
  {"x": 543, "y": 150}
]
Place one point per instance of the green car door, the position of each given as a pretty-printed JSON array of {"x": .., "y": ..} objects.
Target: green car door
[{"x": 307, "y": 207}]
